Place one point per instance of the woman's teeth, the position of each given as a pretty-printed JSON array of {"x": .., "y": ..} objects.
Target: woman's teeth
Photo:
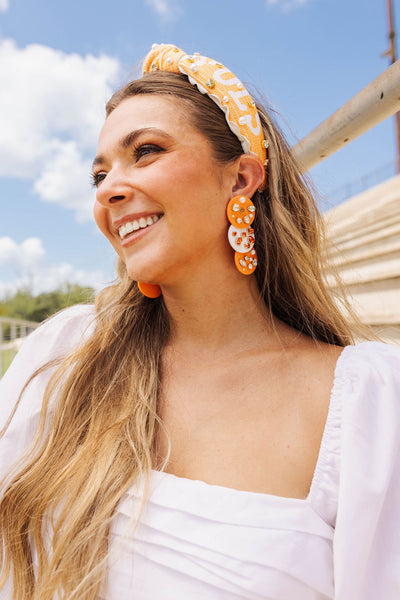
[{"x": 141, "y": 223}]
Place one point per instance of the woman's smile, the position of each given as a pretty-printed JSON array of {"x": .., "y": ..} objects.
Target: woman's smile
[{"x": 136, "y": 224}]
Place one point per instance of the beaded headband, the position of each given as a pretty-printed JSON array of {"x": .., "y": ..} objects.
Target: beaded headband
[{"x": 221, "y": 85}]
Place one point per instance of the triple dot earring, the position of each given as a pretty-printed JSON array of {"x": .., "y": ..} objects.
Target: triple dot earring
[{"x": 241, "y": 213}]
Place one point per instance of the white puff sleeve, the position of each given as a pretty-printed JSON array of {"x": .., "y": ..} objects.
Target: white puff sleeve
[
  {"x": 367, "y": 532},
  {"x": 55, "y": 338}
]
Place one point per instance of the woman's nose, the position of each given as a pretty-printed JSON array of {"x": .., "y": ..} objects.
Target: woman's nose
[{"x": 113, "y": 189}]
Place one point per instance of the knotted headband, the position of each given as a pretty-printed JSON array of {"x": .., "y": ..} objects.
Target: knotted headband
[{"x": 221, "y": 85}]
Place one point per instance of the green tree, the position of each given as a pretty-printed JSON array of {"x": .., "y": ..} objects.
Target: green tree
[{"x": 25, "y": 305}]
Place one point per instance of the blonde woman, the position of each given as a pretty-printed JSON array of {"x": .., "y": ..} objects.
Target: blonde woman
[{"x": 207, "y": 430}]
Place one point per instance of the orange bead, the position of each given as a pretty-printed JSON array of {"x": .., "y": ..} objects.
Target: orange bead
[
  {"x": 149, "y": 289},
  {"x": 246, "y": 263},
  {"x": 240, "y": 211}
]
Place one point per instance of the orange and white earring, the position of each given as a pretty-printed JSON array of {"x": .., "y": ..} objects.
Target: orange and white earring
[
  {"x": 241, "y": 213},
  {"x": 149, "y": 290}
]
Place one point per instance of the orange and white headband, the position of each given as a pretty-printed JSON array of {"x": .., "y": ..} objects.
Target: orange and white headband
[{"x": 221, "y": 85}]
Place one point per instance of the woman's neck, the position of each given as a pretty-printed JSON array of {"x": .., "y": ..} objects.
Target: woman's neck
[{"x": 219, "y": 318}]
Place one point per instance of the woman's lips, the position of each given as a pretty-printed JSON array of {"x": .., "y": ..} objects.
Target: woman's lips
[
  {"x": 137, "y": 232},
  {"x": 136, "y": 224}
]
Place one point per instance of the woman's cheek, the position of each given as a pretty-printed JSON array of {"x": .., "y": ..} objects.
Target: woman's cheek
[{"x": 101, "y": 217}]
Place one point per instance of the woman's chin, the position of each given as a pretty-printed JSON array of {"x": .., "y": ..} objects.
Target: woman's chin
[{"x": 144, "y": 275}]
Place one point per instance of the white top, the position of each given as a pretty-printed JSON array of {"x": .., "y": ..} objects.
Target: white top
[{"x": 206, "y": 542}]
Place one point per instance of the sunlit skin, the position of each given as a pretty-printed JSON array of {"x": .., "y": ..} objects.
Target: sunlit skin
[
  {"x": 255, "y": 379},
  {"x": 168, "y": 169}
]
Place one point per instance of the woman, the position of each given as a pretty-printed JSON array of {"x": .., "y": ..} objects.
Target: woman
[{"x": 208, "y": 432}]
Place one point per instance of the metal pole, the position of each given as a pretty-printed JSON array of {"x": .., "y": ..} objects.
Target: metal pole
[
  {"x": 392, "y": 53},
  {"x": 377, "y": 101}
]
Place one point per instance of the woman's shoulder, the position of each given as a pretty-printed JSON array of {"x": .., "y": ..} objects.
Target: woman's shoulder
[
  {"x": 373, "y": 367},
  {"x": 74, "y": 320},
  {"x": 61, "y": 332},
  {"x": 367, "y": 389},
  {"x": 368, "y": 392},
  {"x": 53, "y": 339},
  {"x": 369, "y": 352}
]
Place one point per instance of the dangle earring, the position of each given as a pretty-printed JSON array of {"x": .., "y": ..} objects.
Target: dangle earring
[
  {"x": 149, "y": 289},
  {"x": 241, "y": 213}
]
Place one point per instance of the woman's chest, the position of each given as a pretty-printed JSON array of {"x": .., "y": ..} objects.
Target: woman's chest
[{"x": 240, "y": 432}]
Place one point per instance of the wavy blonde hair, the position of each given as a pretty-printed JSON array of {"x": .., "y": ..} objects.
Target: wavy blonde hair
[{"x": 101, "y": 436}]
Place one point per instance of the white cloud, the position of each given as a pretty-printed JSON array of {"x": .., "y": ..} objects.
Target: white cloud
[
  {"x": 28, "y": 261},
  {"x": 51, "y": 111},
  {"x": 4, "y": 5},
  {"x": 167, "y": 10},
  {"x": 65, "y": 180},
  {"x": 21, "y": 257},
  {"x": 286, "y": 5}
]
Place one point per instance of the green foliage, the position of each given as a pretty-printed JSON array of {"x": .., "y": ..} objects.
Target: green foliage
[
  {"x": 24, "y": 305},
  {"x": 7, "y": 356}
]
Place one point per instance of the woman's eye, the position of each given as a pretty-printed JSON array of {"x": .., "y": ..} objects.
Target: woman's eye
[
  {"x": 97, "y": 178},
  {"x": 146, "y": 149},
  {"x": 138, "y": 153}
]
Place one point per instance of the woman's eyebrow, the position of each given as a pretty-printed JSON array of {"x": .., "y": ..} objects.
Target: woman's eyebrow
[{"x": 127, "y": 140}]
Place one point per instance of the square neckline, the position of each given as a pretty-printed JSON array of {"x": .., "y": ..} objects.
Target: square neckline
[{"x": 329, "y": 442}]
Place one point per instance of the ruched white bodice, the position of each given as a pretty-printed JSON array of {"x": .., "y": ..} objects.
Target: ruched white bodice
[{"x": 202, "y": 541}]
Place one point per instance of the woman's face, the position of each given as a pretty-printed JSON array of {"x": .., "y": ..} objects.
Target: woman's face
[{"x": 161, "y": 197}]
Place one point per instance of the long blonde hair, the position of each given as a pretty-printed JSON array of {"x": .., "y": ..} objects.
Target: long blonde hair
[{"x": 101, "y": 436}]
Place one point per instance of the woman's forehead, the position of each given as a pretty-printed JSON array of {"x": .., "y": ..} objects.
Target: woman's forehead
[
  {"x": 150, "y": 106},
  {"x": 160, "y": 115}
]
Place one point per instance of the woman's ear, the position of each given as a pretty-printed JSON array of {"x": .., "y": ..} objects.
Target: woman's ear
[{"x": 250, "y": 175}]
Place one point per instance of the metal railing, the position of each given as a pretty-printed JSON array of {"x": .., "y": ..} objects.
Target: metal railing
[
  {"x": 363, "y": 182},
  {"x": 12, "y": 334},
  {"x": 376, "y": 102}
]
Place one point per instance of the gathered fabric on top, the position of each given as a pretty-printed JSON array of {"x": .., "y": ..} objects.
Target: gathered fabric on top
[{"x": 197, "y": 540}]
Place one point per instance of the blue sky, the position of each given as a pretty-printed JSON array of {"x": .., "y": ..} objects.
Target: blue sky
[{"x": 60, "y": 61}]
